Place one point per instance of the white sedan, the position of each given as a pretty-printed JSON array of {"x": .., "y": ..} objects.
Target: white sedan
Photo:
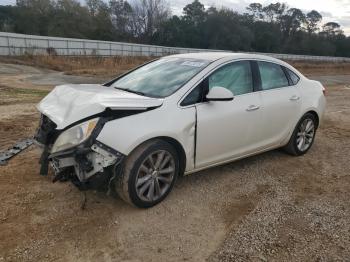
[{"x": 176, "y": 115}]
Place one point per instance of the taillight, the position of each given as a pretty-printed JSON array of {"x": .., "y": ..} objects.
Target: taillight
[{"x": 324, "y": 90}]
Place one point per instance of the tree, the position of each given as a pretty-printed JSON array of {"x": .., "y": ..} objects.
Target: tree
[
  {"x": 101, "y": 22},
  {"x": 225, "y": 29},
  {"x": 267, "y": 37},
  {"x": 313, "y": 18},
  {"x": 102, "y": 27},
  {"x": 194, "y": 13},
  {"x": 194, "y": 16},
  {"x": 331, "y": 29},
  {"x": 274, "y": 12},
  {"x": 94, "y": 6},
  {"x": 171, "y": 33},
  {"x": 121, "y": 13},
  {"x": 70, "y": 19},
  {"x": 7, "y": 18},
  {"x": 33, "y": 16},
  {"x": 147, "y": 16},
  {"x": 256, "y": 10},
  {"x": 291, "y": 22}
]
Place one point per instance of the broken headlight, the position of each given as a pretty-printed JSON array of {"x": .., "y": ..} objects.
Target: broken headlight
[{"x": 74, "y": 135}]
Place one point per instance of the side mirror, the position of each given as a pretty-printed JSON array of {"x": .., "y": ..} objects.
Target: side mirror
[{"x": 218, "y": 93}]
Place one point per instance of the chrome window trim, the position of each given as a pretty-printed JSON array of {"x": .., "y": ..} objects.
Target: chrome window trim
[{"x": 205, "y": 76}]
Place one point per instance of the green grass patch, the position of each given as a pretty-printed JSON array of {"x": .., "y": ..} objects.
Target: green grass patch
[
  {"x": 26, "y": 91},
  {"x": 9, "y": 96}
]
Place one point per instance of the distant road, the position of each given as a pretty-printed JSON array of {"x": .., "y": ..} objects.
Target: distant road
[{"x": 333, "y": 79}]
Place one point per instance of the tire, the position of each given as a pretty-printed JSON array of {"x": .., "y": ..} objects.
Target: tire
[
  {"x": 293, "y": 147},
  {"x": 140, "y": 171}
]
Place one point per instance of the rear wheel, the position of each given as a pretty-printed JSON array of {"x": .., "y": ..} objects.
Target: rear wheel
[
  {"x": 149, "y": 174},
  {"x": 303, "y": 136}
]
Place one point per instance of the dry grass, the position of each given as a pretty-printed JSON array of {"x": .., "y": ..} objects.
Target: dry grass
[
  {"x": 112, "y": 66},
  {"x": 102, "y": 66},
  {"x": 11, "y": 96},
  {"x": 321, "y": 68}
]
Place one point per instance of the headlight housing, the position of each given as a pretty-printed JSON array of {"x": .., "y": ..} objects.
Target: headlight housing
[{"x": 74, "y": 135}]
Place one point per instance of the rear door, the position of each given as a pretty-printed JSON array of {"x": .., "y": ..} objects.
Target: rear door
[
  {"x": 281, "y": 102},
  {"x": 228, "y": 129}
]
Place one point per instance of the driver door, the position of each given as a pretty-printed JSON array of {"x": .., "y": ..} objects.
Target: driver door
[{"x": 228, "y": 129}]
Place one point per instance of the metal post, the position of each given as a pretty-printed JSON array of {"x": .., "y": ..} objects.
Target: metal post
[
  {"x": 8, "y": 45},
  {"x": 25, "y": 45},
  {"x": 84, "y": 48}
]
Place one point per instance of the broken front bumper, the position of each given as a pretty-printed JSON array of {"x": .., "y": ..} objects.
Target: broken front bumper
[{"x": 82, "y": 161}]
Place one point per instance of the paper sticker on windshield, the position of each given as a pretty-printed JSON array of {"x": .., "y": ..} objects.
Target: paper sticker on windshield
[{"x": 192, "y": 63}]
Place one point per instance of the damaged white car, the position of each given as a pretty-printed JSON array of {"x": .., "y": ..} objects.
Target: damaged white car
[{"x": 173, "y": 116}]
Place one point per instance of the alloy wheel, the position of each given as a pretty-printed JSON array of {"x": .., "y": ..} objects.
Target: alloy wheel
[
  {"x": 305, "y": 134},
  {"x": 155, "y": 175}
]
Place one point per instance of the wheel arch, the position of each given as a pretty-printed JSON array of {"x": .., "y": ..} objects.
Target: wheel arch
[
  {"x": 309, "y": 111},
  {"x": 315, "y": 114},
  {"x": 290, "y": 147},
  {"x": 176, "y": 144}
]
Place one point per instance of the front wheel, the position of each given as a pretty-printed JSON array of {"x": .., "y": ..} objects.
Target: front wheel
[
  {"x": 149, "y": 174},
  {"x": 303, "y": 136}
]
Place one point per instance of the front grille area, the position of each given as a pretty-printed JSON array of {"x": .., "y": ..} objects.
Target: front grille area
[{"x": 46, "y": 132}]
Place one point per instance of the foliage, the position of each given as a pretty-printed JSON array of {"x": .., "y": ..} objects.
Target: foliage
[{"x": 271, "y": 28}]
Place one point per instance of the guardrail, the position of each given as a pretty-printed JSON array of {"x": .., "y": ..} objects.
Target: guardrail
[{"x": 19, "y": 44}]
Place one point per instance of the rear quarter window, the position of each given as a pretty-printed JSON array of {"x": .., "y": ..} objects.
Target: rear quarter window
[{"x": 293, "y": 76}]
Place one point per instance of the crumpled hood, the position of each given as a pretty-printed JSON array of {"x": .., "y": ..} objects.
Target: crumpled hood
[{"x": 67, "y": 104}]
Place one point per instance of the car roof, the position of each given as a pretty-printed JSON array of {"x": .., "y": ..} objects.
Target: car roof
[{"x": 213, "y": 56}]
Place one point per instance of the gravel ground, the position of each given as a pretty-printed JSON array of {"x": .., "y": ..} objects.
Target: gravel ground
[{"x": 270, "y": 207}]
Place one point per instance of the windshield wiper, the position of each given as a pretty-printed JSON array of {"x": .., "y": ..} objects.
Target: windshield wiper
[{"x": 131, "y": 91}]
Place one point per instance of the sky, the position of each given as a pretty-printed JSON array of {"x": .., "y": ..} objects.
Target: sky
[{"x": 331, "y": 10}]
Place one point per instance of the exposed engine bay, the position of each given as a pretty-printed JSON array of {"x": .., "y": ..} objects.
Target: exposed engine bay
[{"x": 79, "y": 163}]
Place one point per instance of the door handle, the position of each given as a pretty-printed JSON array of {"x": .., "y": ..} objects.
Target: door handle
[
  {"x": 294, "y": 98},
  {"x": 252, "y": 108}
]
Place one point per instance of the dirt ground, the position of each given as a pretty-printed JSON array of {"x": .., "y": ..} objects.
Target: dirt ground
[{"x": 270, "y": 207}]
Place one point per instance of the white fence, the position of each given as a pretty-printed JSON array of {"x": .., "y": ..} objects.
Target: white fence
[{"x": 19, "y": 44}]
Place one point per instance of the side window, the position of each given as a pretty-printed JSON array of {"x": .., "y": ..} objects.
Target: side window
[
  {"x": 237, "y": 77},
  {"x": 272, "y": 76},
  {"x": 293, "y": 76},
  {"x": 195, "y": 96}
]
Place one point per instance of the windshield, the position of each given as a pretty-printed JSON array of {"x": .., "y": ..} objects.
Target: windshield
[{"x": 160, "y": 78}]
